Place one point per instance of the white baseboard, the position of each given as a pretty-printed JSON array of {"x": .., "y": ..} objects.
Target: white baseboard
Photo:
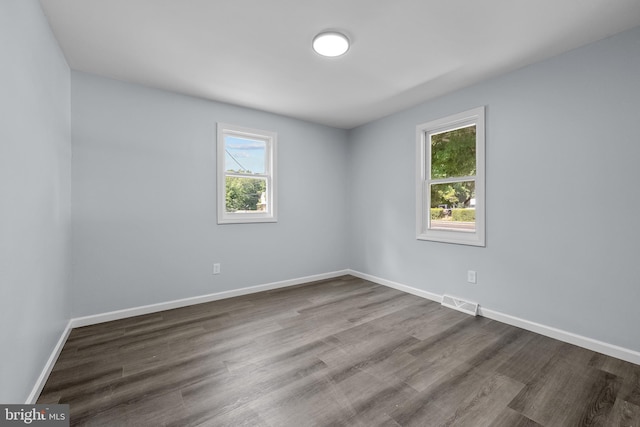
[
  {"x": 48, "y": 367},
  {"x": 568, "y": 337},
  {"x": 154, "y": 308},
  {"x": 399, "y": 286}
]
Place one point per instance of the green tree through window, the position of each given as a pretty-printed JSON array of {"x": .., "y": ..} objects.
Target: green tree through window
[
  {"x": 243, "y": 194},
  {"x": 453, "y": 154}
]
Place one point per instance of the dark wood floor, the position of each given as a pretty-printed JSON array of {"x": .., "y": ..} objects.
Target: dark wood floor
[{"x": 337, "y": 352}]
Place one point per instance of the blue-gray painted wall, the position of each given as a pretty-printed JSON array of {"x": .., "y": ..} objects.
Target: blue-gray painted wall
[
  {"x": 35, "y": 183},
  {"x": 562, "y": 162},
  {"x": 144, "y": 199}
]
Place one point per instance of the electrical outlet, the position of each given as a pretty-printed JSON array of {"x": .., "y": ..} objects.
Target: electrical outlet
[
  {"x": 471, "y": 276},
  {"x": 216, "y": 268}
]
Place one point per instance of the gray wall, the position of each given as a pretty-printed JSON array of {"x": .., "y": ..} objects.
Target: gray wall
[
  {"x": 35, "y": 176},
  {"x": 563, "y": 150},
  {"x": 144, "y": 199}
]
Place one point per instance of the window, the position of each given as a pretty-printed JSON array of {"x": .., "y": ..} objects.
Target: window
[
  {"x": 246, "y": 175},
  {"x": 450, "y": 179}
]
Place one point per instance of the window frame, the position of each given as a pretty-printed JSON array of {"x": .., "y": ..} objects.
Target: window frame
[
  {"x": 270, "y": 138},
  {"x": 475, "y": 116}
]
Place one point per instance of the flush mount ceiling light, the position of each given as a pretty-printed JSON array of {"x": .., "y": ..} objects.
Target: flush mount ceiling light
[{"x": 330, "y": 43}]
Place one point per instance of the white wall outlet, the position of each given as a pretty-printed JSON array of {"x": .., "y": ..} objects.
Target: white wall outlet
[
  {"x": 471, "y": 276},
  {"x": 216, "y": 268}
]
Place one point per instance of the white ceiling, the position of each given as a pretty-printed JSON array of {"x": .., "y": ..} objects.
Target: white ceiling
[{"x": 257, "y": 53}]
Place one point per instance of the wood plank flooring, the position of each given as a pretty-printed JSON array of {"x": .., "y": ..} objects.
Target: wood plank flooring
[{"x": 341, "y": 352}]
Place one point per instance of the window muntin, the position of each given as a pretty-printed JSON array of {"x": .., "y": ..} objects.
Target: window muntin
[
  {"x": 450, "y": 179},
  {"x": 246, "y": 175}
]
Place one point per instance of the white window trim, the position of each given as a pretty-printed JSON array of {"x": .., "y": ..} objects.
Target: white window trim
[
  {"x": 423, "y": 178},
  {"x": 270, "y": 138}
]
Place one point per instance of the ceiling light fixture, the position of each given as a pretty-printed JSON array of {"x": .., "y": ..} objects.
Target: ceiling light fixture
[{"x": 330, "y": 43}]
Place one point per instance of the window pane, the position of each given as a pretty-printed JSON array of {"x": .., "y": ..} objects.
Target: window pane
[
  {"x": 453, "y": 153},
  {"x": 245, "y": 194},
  {"x": 453, "y": 206},
  {"x": 245, "y": 155}
]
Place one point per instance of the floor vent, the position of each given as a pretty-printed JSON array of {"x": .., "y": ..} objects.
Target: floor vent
[{"x": 460, "y": 305}]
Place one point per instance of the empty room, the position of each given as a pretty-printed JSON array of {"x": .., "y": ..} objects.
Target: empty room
[{"x": 339, "y": 213}]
